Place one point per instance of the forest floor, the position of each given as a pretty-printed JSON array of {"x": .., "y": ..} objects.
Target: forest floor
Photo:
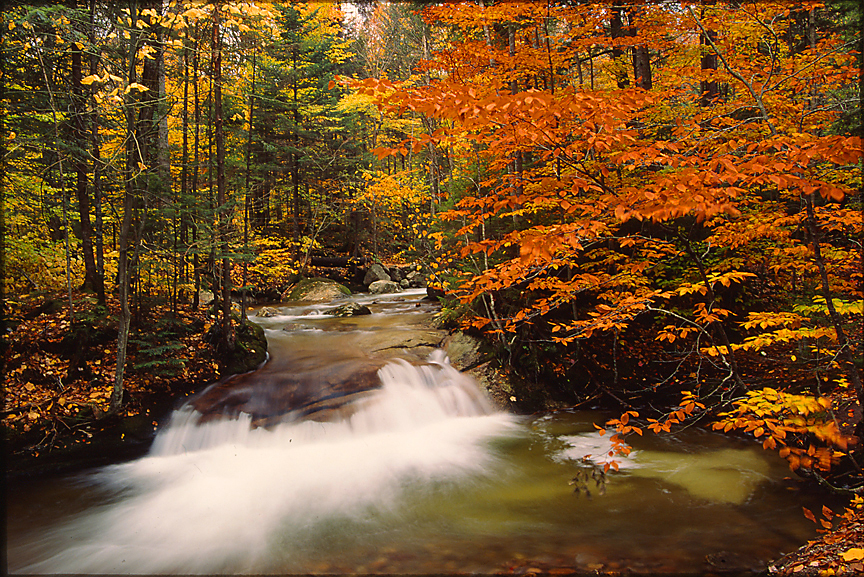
[
  {"x": 58, "y": 378},
  {"x": 59, "y": 375}
]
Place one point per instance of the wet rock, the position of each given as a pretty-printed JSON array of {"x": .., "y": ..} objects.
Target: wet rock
[
  {"x": 266, "y": 312},
  {"x": 416, "y": 279},
  {"x": 250, "y": 350},
  {"x": 289, "y": 389},
  {"x": 433, "y": 293},
  {"x": 376, "y": 273},
  {"x": 466, "y": 352},
  {"x": 404, "y": 283},
  {"x": 349, "y": 310},
  {"x": 383, "y": 287},
  {"x": 413, "y": 345},
  {"x": 318, "y": 290}
]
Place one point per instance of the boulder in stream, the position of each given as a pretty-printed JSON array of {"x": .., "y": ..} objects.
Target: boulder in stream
[
  {"x": 416, "y": 279},
  {"x": 318, "y": 290},
  {"x": 380, "y": 287},
  {"x": 250, "y": 349},
  {"x": 351, "y": 309},
  {"x": 375, "y": 273}
]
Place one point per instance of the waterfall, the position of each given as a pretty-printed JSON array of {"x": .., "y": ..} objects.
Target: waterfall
[{"x": 217, "y": 496}]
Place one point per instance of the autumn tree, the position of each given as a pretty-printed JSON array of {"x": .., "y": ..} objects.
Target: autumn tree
[{"x": 656, "y": 204}]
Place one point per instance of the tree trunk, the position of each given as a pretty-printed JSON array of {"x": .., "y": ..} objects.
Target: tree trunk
[
  {"x": 616, "y": 26},
  {"x": 246, "y": 204},
  {"x": 295, "y": 161},
  {"x": 133, "y": 156},
  {"x": 92, "y": 279},
  {"x": 184, "y": 178},
  {"x": 98, "y": 228},
  {"x": 642, "y": 67},
  {"x": 845, "y": 347},
  {"x": 196, "y": 264},
  {"x": 709, "y": 89},
  {"x": 228, "y": 337}
]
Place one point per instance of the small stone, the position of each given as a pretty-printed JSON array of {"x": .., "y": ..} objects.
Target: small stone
[{"x": 349, "y": 310}]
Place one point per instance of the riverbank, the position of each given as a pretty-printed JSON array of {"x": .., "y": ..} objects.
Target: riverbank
[{"x": 59, "y": 376}]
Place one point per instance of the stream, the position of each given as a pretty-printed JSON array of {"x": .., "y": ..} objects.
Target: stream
[{"x": 411, "y": 470}]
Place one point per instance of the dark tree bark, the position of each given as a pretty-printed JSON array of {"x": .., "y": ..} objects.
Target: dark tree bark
[
  {"x": 196, "y": 264},
  {"x": 81, "y": 134},
  {"x": 228, "y": 336},
  {"x": 295, "y": 160},
  {"x": 616, "y": 26},
  {"x": 141, "y": 147},
  {"x": 642, "y": 67},
  {"x": 246, "y": 204},
  {"x": 709, "y": 89},
  {"x": 98, "y": 228}
]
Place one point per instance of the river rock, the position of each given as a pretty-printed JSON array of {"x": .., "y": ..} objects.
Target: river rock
[
  {"x": 287, "y": 389},
  {"x": 416, "y": 279},
  {"x": 318, "y": 290},
  {"x": 411, "y": 344},
  {"x": 466, "y": 352},
  {"x": 380, "y": 287},
  {"x": 351, "y": 309},
  {"x": 434, "y": 294},
  {"x": 250, "y": 347},
  {"x": 404, "y": 283},
  {"x": 396, "y": 274},
  {"x": 266, "y": 312},
  {"x": 375, "y": 273}
]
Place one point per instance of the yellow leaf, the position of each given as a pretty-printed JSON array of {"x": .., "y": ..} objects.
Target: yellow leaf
[
  {"x": 30, "y": 386},
  {"x": 90, "y": 79},
  {"x": 854, "y": 554}
]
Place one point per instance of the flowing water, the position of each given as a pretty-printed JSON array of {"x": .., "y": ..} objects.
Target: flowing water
[{"x": 420, "y": 475}]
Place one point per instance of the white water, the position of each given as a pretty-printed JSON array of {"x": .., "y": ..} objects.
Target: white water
[
  {"x": 212, "y": 498},
  {"x": 421, "y": 476}
]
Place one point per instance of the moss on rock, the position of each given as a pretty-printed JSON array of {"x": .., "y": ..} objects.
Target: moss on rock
[
  {"x": 318, "y": 290},
  {"x": 249, "y": 351}
]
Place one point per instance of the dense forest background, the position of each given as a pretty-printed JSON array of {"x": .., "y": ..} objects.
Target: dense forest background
[{"x": 651, "y": 204}]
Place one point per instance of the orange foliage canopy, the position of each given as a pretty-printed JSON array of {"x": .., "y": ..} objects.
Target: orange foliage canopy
[
  {"x": 581, "y": 175},
  {"x": 601, "y": 156}
]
